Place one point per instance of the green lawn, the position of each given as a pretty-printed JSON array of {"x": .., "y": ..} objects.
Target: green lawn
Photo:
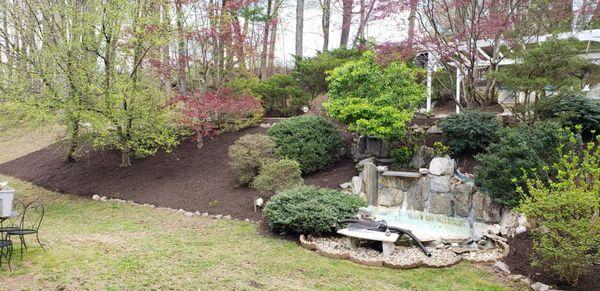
[{"x": 110, "y": 245}]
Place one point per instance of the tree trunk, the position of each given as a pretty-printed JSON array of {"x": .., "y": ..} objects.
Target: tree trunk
[
  {"x": 325, "y": 23},
  {"x": 165, "y": 18},
  {"x": 346, "y": 22},
  {"x": 199, "y": 140},
  {"x": 411, "y": 24},
  {"x": 125, "y": 159},
  {"x": 265, "y": 43},
  {"x": 299, "y": 26},
  {"x": 272, "y": 41},
  {"x": 182, "y": 56}
]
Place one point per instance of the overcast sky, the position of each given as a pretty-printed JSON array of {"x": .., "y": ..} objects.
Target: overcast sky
[{"x": 388, "y": 30}]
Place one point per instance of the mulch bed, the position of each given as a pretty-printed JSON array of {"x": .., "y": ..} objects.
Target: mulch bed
[
  {"x": 189, "y": 178},
  {"x": 519, "y": 261}
]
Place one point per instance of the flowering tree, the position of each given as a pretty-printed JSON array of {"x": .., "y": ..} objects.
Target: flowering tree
[{"x": 207, "y": 113}]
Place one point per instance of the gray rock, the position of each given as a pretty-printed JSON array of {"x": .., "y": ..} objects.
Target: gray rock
[
  {"x": 539, "y": 286},
  {"x": 434, "y": 130},
  {"x": 205, "y": 214},
  {"x": 370, "y": 179},
  {"x": 422, "y": 157},
  {"x": 441, "y": 166},
  {"x": 454, "y": 245},
  {"x": 502, "y": 267},
  {"x": 362, "y": 163},
  {"x": 346, "y": 185},
  {"x": 440, "y": 184},
  {"x": 357, "y": 185},
  {"x": 522, "y": 220},
  {"x": 493, "y": 229},
  {"x": 462, "y": 198},
  {"x": 520, "y": 229},
  {"x": 441, "y": 204},
  {"x": 218, "y": 216},
  {"x": 188, "y": 214},
  {"x": 247, "y": 220},
  {"x": 382, "y": 169},
  {"x": 423, "y": 171},
  {"x": 180, "y": 211},
  {"x": 96, "y": 197},
  {"x": 227, "y": 217},
  {"x": 484, "y": 209},
  {"x": 103, "y": 198},
  {"x": 391, "y": 197}
]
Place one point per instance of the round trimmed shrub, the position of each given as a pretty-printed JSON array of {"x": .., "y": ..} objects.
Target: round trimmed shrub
[
  {"x": 311, "y": 140},
  {"x": 278, "y": 175},
  {"x": 249, "y": 153},
  {"x": 310, "y": 210},
  {"x": 471, "y": 131}
]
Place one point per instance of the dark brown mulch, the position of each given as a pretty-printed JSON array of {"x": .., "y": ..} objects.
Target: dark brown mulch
[
  {"x": 519, "y": 261},
  {"x": 190, "y": 178}
]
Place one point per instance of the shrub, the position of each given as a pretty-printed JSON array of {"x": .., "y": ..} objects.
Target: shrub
[
  {"x": 312, "y": 72},
  {"x": 311, "y": 140},
  {"x": 310, "y": 210},
  {"x": 499, "y": 169},
  {"x": 278, "y": 175},
  {"x": 245, "y": 85},
  {"x": 402, "y": 155},
  {"x": 440, "y": 149},
  {"x": 471, "y": 131},
  {"x": 249, "y": 153},
  {"x": 374, "y": 100},
  {"x": 564, "y": 214},
  {"x": 572, "y": 110},
  {"x": 284, "y": 94}
]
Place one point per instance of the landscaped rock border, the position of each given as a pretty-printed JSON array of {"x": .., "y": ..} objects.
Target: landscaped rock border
[
  {"x": 403, "y": 257},
  {"x": 179, "y": 211}
]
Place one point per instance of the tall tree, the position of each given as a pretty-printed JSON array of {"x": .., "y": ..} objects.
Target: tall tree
[
  {"x": 299, "y": 27},
  {"x": 346, "y": 22},
  {"x": 265, "y": 42},
  {"x": 326, "y": 9},
  {"x": 366, "y": 8}
]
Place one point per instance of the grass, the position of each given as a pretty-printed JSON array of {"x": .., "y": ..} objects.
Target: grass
[{"x": 110, "y": 245}]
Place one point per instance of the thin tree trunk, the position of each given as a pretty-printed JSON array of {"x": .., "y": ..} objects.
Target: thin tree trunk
[
  {"x": 182, "y": 56},
  {"x": 411, "y": 23},
  {"x": 272, "y": 41},
  {"x": 166, "y": 20},
  {"x": 346, "y": 22},
  {"x": 325, "y": 23},
  {"x": 299, "y": 26},
  {"x": 265, "y": 43}
]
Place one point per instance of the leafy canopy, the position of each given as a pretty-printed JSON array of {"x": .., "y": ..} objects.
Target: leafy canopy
[{"x": 372, "y": 99}]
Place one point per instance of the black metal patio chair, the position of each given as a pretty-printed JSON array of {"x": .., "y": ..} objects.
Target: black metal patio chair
[
  {"x": 30, "y": 224},
  {"x": 12, "y": 222},
  {"x": 6, "y": 249}
]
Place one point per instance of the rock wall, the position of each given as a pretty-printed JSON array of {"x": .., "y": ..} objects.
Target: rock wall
[{"x": 437, "y": 190}]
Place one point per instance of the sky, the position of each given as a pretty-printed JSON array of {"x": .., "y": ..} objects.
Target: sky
[{"x": 381, "y": 31}]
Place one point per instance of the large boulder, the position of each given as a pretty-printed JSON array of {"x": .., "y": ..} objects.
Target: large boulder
[
  {"x": 441, "y": 204},
  {"x": 462, "y": 198},
  {"x": 422, "y": 157},
  {"x": 357, "y": 185},
  {"x": 440, "y": 184},
  {"x": 441, "y": 166},
  {"x": 485, "y": 210}
]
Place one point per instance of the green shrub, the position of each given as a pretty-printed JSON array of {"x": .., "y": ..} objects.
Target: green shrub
[
  {"x": 312, "y": 72},
  {"x": 402, "y": 155},
  {"x": 278, "y": 175},
  {"x": 572, "y": 110},
  {"x": 471, "y": 131},
  {"x": 565, "y": 214},
  {"x": 499, "y": 169},
  {"x": 249, "y": 153},
  {"x": 374, "y": 100},
  {"x": 311, "y": 140},
  {"x": 310, "y": 210},
  {"x": 284, "y": 94},
  {"x": 245, "y": 85},
  {"x": 440, "y": 149}
]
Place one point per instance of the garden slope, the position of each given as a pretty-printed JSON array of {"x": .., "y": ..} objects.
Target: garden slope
[{"x": 189, "y": 178}]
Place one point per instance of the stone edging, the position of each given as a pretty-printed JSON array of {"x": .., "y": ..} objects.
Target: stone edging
[
  {"x": 179, "y": 211},
  {"x": 311, "y": 246}
]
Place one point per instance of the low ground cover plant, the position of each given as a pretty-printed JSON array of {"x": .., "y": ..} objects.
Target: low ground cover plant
[
  {"x": 278, "y": 175},
  {"x": 499, "y": 169},
  {"x": 565, "y": 212},
  {"x": 311, "y": 140},
  {"x": 249, "y": 153},
  {"x": 310, "y": 210},
  {"x": 471, "y": 131}
]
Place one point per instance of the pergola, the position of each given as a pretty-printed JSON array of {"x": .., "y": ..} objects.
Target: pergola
[{"x": 484, "y": 58}]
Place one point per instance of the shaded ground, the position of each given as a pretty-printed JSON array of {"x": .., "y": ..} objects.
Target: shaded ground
[
  {"x": 189, "y": 178},
  {"x": 94, "y": 245},
  {"x": 519, "y": 261}
]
